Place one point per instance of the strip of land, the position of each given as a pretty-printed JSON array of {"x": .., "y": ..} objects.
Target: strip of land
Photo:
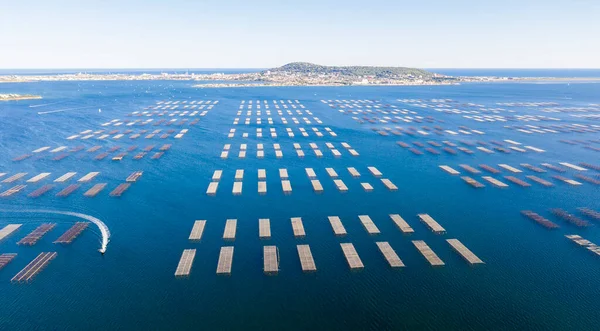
[
  {"x": 292, "y": 74},
  {"x": 13, "y": 97}
]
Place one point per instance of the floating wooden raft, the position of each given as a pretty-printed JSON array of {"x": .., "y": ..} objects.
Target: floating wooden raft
[
  {"x": 72, "y": 233},
  {"x": 134, "y": 176},
  {"x": 6, "y": 258},
  {"x": 298, "y": 227},
  {"x": 389, "y": 254},
  {"x": 351, "y": 255},
  {"x": 197, "y": 230},
  {"x": 34, "y": 267},
  {"x": 401, "y": 223},
  {"x": 270, "y": 259},
  {"x": 35, "y": 235},
  {"x": 429, "y": 254},
  {"x": 264, "y": 228},
  {"x": 225, "y": 260},
  {"x": 40, "y": 191},
  {"x": 337, "y": 226},
  {"x": 185, "y": 263},
  {"x": 8, "y": 230},
  {"x": 120, "y": 189},
  {"x": 306, "y": 259},
  {"x": 464, "y": 251},
  {"x": 92, "y": 192},
  {"x": 431, "y": 223}
]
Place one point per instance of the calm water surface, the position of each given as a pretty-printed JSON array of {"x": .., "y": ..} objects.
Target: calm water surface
[{"x": 533, "y": 278}]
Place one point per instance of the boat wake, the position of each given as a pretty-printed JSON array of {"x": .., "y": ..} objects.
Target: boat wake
[
  {"x": 101, "y": 226},
  {"x": 46, "y": 104},
  {"x": 61, "y": 110}
]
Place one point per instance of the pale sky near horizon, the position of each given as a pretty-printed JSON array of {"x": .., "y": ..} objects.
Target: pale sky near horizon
[{"x": 268, "y": 33}]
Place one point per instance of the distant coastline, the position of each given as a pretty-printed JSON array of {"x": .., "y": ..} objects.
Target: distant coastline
[
  {"x": 308, "y": 74},
  {"x": 15, "y": 97}
]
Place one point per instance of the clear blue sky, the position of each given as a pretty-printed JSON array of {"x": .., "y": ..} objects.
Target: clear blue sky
[{"x": 264, "y": 33}]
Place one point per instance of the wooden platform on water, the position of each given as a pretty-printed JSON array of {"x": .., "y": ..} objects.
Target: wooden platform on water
[
  {"x": 316, "y": 184},
  {"x": 134, "y": 176},
  {"x": 286, "y": 186},
  {"x": 270, "y": 260},
  {"x": 517, "y": 181},
  {"x": 495, "y": 182},
  {"x": 237, "y": 188},
  {"x": 8, "y": 230},
  {"x": 119, "y": 190},
  {"x": 230, "y": 229},
  {"x": 331, "y": 172},
  {"x": 264, "y": 228},
  {"x": 65, "y": 177},
  {"x": 14, "y": 177},
  {"x": 34, "y": 236},
  {"x": 449, "y": 170},
  {"x": 239, "y": 174},
  {"x": 389, "y": 254},
  {"x": 351, "y": 256},
  {"x": 39, "y": 177},
  {"x": 6, "y": 258},
  {"x": 401, "y": 223},
  {"x": 92, "y": 192},
  {"x": 510, "y": 168},
  {"x": 431, "y": 223},
  {"x": 573, "y": 166},
  {"x": 306, "y": 259},
  {"x": 185, "y": 263},
  {"x": 340, "y": 185},
  {"x": 353, "y": 172},
  {"x": 469, "y": 168},
  {"x": 88, "y": 177},
  {"x": 337, "y": 226},
  {"x": 298, "y": 227},
  {"x": 217, "y": 175},
  {"x": 388, "y": 183},
  {"x": 464, "y": 251},
  {"x": 540, "y": 181},
  {"x": 262, "y": 187},
  {"x": 367, "y": 222},
  {"x": 283, "y": 174},
  {"x": 429, "y": 254},
  {"x": 262, "y": 174},
  {"x": 72, "y": 233},
  {"x": 225, "y": 260},
  {"x": 375, "y": 172},
  {"x": 472, "y": 182},
  {"x": 34, "y": 267},
  {"x": 310, "y": 172},
  {"x": 67, "y": 190},
  {"x": 40, "y": 191},
  {"x": 197, "y": 230},
  {"x": 212, "y": 188},
  {"x": 12, "y": 191}
]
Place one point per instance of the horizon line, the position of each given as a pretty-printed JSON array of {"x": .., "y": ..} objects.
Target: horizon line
[{"x": 261, "y": 68}]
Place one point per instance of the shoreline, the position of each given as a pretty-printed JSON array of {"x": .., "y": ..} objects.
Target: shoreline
[
  {"x": 233, "y": 79},
  {"x": 17, "y": 97},
  {"x": 314, "y": 85},
  {"x": 475, "y": 81}
]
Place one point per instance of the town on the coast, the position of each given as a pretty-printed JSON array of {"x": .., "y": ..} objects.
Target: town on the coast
[{"x": 292, "y": 74}]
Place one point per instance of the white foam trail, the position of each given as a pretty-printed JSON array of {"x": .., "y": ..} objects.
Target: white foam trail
[
  {"x": 61, "y": 110},
  {"x": 103, "y": 228},
  {"x": 46, "y": 104}
]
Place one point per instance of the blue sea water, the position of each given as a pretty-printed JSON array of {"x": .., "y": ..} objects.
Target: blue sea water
[
  {"x": 533, "y": 278},
  {"x": 556, "y": 73}
]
